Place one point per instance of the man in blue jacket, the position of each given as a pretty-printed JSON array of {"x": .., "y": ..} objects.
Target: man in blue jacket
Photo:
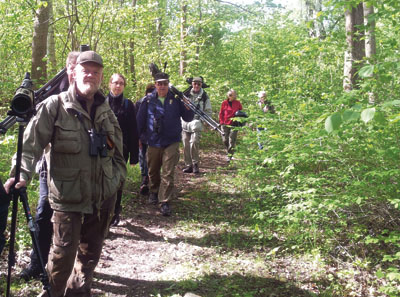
[{"x": 159, "y": 119}]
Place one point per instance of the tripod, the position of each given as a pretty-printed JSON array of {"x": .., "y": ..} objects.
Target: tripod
[{"x": 23, "y": 197}]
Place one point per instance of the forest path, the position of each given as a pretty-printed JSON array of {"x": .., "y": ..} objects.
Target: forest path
[
  {"x": 206, "y": 247},
  {"x": 203, "y": 248}
]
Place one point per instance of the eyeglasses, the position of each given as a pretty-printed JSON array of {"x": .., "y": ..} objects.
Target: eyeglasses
[
  {"x": 120, "y": 83},
  {"x": 197, "y": 83},
  {"x": 162, "y": 83}
]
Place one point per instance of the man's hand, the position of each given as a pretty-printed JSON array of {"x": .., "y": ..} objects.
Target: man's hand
[
  {"x": 187, "y": 103},
  {"x": 10, "y": 182}
]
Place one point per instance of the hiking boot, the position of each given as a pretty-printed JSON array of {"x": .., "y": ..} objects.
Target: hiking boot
[
  {"x": 165, "y": 210},
  {"x": 32, "y": 271},
  {"x": 188, "y": 169},
  {"x": 115, "y": 220},
  {"x": 144, "y": 190},
  {"x": 196, "y": 168},
  {"x": 153, "y": 198}
]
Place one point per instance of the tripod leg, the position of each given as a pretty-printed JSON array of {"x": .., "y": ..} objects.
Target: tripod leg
[
  {"x": 35, "y": 241},
  {"x": 11, "y": 254}
]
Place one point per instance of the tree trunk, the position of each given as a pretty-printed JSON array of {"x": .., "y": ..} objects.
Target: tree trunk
[
  {"x": 199, "y": 31},
  {"x": 355, "y": 46},
  {"x": 39, "y": 45},
  {"x": 132, "y": 49},
  {"x": 370, "y": 41},
  {"x": 51, "y": 43},
  {"x": 159, "y": 25},
  {"x": 321, "y": 32},
  {"x": 182, "y": 65},
  {"x": 313, "y": 8}
]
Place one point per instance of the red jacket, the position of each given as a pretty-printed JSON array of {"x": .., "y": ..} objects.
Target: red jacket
[{"x": 227, "y": 112}]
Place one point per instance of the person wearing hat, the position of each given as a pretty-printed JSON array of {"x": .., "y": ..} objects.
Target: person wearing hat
[
  {"x": 43, "y": 211},
  {"x": 191, "y": 131},
  {"x": 85, "y": 169},
  {"x": 159, "y": 119}
]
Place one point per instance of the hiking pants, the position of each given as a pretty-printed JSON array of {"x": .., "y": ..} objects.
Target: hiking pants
[
  {"x": 77, "y": 244},
  {"x": 162, "y": 162},
  {"x": 229, "y": 138},
  {"x": 191, "y": 147},
  {"x": 43, "y": 221}
]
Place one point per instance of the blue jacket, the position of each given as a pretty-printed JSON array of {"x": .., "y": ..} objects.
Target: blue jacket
[{"x": 161, "y": 124}]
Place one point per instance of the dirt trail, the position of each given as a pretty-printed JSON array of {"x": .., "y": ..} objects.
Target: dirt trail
[
  {"x": 202, "y": 248},
  {"x": 144, "y": 254}
]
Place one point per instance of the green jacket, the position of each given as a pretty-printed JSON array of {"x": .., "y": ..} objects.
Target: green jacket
[{"x": 77, "y": 182}]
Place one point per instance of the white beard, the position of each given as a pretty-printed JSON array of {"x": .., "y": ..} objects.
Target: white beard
[{"x": 87, "y": 89}]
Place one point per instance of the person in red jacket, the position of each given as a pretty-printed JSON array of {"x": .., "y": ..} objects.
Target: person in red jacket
[{"x": 228, "y": 109}]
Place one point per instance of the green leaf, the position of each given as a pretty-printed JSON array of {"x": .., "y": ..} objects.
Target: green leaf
[
  {"x": 333, "y": 122},
  {"x": 380, "y": 274},
  {"x": 350, "y": 115},
  {"x": 391, "y": 103},
  {"x": 367, "y": 114},
  {"x": 366, "y": 71}
]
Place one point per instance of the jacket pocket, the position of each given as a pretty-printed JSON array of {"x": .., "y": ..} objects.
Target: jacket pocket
[
  {"x": 111, "y": 181},
  {"x": 67, "y": 139},
  {"x": 65, "y": 185},
  {"x": 62, "y": 230}
]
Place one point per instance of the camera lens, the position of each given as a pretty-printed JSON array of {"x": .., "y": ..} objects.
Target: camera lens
[{"x": 22, "y": 102}]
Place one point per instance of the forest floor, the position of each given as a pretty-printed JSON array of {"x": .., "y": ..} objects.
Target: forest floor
[{"x": 206, "y": 247}]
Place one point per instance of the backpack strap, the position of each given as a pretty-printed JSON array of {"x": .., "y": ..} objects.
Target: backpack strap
[
  {"x": 204, "y": 98},
  {"x": 59, "y": 102}
]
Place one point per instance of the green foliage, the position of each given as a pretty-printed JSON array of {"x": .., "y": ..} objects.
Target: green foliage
[{"x": 327, "y": 178}]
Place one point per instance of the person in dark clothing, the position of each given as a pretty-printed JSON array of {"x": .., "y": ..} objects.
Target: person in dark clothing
[
  {"x": 144, "y": 170},
  {"x": 43, "y": 210},
  {"x": 125, "y": 112},
  {"x": 159, "y": 118}
]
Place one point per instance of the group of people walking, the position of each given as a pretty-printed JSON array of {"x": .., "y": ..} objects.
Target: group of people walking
[{"x": 82, "y": 141}]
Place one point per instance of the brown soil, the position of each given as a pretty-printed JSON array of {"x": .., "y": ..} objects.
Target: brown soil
[
  {"x": 144, "y": 254},
  {"x": 194, "y": 250}
]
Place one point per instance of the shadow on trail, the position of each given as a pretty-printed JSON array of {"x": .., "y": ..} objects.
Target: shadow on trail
[
  {"x": 210, "y": 285},
  {"x": 139, "y": 232}
]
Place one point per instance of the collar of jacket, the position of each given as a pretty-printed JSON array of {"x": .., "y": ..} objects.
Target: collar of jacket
[{"x": 154, "y": 96}]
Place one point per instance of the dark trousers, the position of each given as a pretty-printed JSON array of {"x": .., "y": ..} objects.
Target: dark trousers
[
  {"x": 143, "y": 161},
  {"x": 43, "y": 221},
  {"x": 4, "y": 203},
  {"x": 77, "y": 245}
]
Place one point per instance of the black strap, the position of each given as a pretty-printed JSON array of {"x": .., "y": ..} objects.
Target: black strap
[{"x": 59, "y": 102}]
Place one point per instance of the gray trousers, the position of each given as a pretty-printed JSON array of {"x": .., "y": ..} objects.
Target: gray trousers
[
  {"x": 229, "y": 139},
  {"x": 191, "y": 147}
]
